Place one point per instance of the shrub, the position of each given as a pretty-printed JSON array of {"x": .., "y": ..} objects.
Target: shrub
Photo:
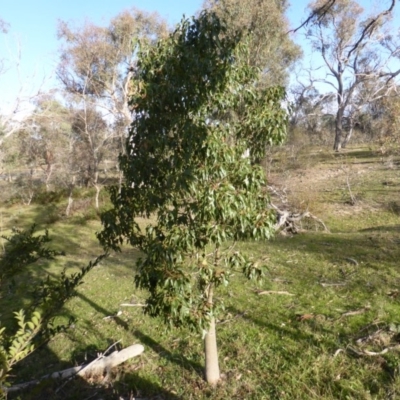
[{"x": 35, "y": 322}]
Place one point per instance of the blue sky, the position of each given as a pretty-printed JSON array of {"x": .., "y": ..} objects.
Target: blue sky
[{"x": 33, "y": 26}]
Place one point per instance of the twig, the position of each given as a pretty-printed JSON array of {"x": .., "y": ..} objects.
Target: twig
[
  {"x": 113, "y": 316},
  {"x": 356, "y": 312},
  {"x": 231, "y": 319},
  {"x": 275, "y": 292},
  {"x": 332, "y": 284},
  {"x": 317, "y": 13},
  {"x": 373, "y": 353},
  {"x": 113, "y": 345},
  {"x": 132, "y": 305},
  {"x": 338, "y": 351},
  {"x": 369, "y": 337},
  {"x": 351, "y": 260}
]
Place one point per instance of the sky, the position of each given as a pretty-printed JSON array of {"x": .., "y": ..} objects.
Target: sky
[{"x": 33, "y": 33}]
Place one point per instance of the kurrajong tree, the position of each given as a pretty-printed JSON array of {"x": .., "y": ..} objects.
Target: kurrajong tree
[{"x": 185, "y": 168}]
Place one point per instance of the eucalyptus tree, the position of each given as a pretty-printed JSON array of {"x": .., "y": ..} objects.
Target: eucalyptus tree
[
  {"x": 354, "y": 49},
  {"x": 95, "y": 70},
  {"x": 310, "y": 109},
  {"x": 184, "y": 166},
  {"x": 270, "y": 47}
]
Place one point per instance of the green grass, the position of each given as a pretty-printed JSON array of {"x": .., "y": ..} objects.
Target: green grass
[{"x": 276, "y": 346}]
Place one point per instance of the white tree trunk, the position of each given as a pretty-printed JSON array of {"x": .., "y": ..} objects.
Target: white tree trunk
[
  {"x": 70, "y": 198},
  {"x": 98, "y": 189},
  {"x": 211, "y": 351}
]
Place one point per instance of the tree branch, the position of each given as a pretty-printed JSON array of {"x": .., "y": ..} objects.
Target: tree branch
[
  {"x": 370, "y": 27},
  {"x": 317, "y": 13}
]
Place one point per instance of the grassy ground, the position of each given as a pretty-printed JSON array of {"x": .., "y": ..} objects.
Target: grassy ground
[{"x": 329, "y": 329}]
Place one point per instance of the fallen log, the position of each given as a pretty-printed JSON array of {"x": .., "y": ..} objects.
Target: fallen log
[{"x": 96, "y": 367}]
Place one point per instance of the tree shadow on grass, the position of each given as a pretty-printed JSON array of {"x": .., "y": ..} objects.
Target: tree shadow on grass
[
  {"x": 177, "y": 358},
  {"x": 102, "y": 310},
  {"x": 362, "y": 246},
  {"x": 382, "y": 228},
  {"x": 146, "y": 340},
  {"x": 293, "y": 331}
]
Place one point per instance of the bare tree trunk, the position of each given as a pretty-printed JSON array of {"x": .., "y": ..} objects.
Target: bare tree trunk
[
  {"x": 98, "y": 188},
  {"x": 347, "y": 138},
  {"x": 338, "y": 131},
  {"x": 120, "y": 179},
  {"x": 210, "y": 346},
  {"x": 210, "y": 340},
  {"x": 48, "y": 176},
  {"x": 70, "y": 198}
]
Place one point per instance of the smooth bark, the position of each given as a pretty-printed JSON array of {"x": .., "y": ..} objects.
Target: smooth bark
[{"x": 211, "y": 351}]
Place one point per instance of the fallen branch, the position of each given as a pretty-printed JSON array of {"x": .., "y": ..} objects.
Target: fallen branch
[
  {"x": 351, "y": 260},
  {"x": 231, "y": 319},
  {"x": 337, "y": 352},
  {"x": 369, "y": 337},
  {"x": 355, "y": 312},
  {"x": 332, "y": 284},
  {"x": 275, "y": 292},
  {"x": 113, "y": 316},
  {"x": 288, "y": 221},
  {"x": 132, "y": 305},
  {"x": 373, "y": 353},
  {"x": 96, "y": 367}
]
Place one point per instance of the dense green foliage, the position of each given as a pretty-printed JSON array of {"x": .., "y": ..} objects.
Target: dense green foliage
[
  {"x": 187, "y": 167},
  {"x": 23, "y": 248}
]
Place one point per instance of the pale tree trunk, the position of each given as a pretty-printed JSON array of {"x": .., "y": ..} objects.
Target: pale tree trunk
[
  {"x": 210, "y": 346},
  {"x": 48, "y": 176},
  {"x": 349, "y": 134},
  {"x": 347, "y": 138},
  {"x": 70, "y": 198},
  {"x": 120, "y": 180},
  {"x": 98, "y": 188},
  {"x": 210, "y": 340},
  {"x": 338, "y": 130}
]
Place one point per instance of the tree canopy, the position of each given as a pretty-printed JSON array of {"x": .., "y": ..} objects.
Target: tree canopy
[
  {"x": 185, "y": 168},
  {"x": 270, "y": 47}
]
